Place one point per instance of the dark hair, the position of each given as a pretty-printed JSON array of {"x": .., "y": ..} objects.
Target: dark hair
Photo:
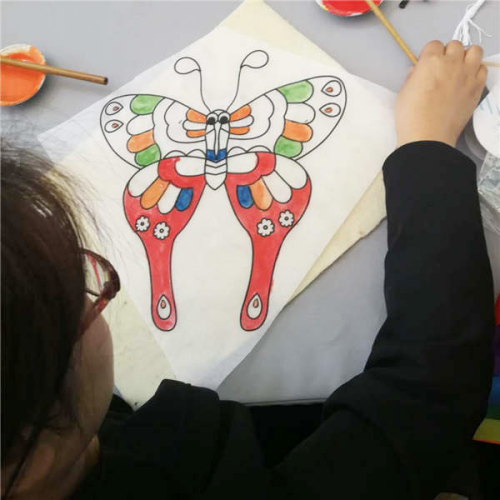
[{"x": 43, "y": 297}]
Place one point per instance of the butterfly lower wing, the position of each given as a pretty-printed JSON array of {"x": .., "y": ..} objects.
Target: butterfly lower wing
[
  {"x": 268, "y": 194},
  {"x": 142, "y": 129},
  {"x": 159, "y": 201}
]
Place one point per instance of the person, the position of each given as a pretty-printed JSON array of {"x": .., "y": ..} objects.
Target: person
[{"x": 397, "y": 430}]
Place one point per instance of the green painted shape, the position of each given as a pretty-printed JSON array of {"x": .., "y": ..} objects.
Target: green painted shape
[
  {"x": 144, "y": 104},
  {"x": 148, "y": 156},
  {"x": 297, "y": 92},
  {"x": 286, "y": 147}
]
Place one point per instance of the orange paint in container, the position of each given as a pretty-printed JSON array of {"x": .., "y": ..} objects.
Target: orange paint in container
[{"x": 18, "y": 84}]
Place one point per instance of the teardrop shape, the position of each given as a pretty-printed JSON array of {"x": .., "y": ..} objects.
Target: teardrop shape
[
  {"x": 112, "y": 126},
  {"x": 331, "y": 109},
  {"x": 163, "y": 307},
  {"x": 254, "y": 306},
  {"x": 113, "y": 108},
  {"x": 332, "y": 88}
]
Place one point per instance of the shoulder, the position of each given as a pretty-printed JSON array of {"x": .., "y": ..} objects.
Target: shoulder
[{"x": 183, "y": 441}]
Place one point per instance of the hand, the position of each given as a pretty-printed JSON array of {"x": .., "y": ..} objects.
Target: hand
[{"x": 440, "y": 93}]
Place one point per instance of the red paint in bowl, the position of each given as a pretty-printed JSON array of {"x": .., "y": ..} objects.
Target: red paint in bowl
[{"x": 346, "y": 8}]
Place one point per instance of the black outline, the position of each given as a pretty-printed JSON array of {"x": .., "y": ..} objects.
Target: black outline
[
  {"x": 295, "y": 159},
  {"x": 200, "y": 77},
  {"x": 240, "y": 70}
]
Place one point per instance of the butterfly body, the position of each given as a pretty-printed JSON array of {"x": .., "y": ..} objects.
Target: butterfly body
[
  {"x": 216, "y": 140},
  {"x": 253, "y": 151}
]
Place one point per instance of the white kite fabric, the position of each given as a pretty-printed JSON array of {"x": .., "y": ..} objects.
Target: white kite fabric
[{"x": 217, "y": 178}]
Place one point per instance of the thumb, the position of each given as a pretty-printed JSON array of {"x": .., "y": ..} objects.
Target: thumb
[{"x": 410, "y": 72}]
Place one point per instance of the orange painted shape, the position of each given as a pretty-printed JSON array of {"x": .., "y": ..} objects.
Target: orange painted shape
[
  {"x": 19, "y": 84},
  {"x": 239, "y": 130},
  {"x": 195, "y": 133},
  {"x": 140, "y": 141},
  {"x": 153, "y": 193},
  {"x": 240, "y": 113},
  {"x": 261, "y": 195},
  {"x": 194, "y": 116},
  {"x": 297, "y": 131}
]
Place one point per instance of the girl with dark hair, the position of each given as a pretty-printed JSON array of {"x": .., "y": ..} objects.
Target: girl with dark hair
[
  {"x": 57, "y": 376},
  {"x": 397, "y": 430}
]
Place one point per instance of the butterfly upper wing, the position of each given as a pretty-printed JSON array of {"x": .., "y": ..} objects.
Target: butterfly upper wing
[
  {"x": 291, "y": 120},
  {"x": 258, "y": 123},
  {"x": 142, "y": 129}
]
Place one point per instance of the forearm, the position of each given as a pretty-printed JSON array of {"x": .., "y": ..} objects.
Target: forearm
[
  {"x": 426, "y": 382},
  {"x": 438, "y": 285}
]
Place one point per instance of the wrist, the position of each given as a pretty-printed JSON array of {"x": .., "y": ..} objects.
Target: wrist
[{"x": 435, "y": 137}]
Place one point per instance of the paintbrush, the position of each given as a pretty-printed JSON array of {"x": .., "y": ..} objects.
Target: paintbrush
[
  {"x": 53, "y": 70},
  {"x": 389, "y": 27}
]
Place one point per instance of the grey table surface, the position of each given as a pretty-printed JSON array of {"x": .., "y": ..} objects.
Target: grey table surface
[{"x": 309, "y": 344}]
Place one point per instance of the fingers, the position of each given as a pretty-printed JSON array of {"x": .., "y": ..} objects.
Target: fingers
[
  {"x": 474, "y": 58},
  {"x": 482, "y": 74},
  {"x": 455, "y": 50},
  {"x": 432, "y": 49},
  {"x": 410, "y": 72}
]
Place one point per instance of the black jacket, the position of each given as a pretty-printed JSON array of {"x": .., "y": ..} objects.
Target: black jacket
[{"x": 398, "y": 429}]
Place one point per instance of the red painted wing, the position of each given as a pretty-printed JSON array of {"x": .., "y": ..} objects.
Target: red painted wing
[
  {"x": 159, "y": 202},
  {"x": 269, "y": 194}
]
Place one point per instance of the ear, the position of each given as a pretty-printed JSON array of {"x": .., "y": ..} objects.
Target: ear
[{"x": 35, "y": 469}]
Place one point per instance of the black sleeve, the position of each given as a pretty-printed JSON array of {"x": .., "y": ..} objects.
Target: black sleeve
[{"x": 425, "y": 386}]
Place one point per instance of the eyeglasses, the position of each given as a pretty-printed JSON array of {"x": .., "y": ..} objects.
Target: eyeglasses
[{"x": 101, "y": 281}]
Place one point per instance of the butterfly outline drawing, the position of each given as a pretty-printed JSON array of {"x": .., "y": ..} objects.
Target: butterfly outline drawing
[{"x": 252, "y": 151}]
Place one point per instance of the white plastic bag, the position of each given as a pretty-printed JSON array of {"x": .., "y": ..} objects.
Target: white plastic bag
[{"x": 489, "y": 192}]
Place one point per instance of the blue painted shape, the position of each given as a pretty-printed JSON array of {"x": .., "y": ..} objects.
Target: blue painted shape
[
  {"x": 184, "y": 199},
  {"x": 244, "y": 196},
  {"x": 221, "y": 155}
]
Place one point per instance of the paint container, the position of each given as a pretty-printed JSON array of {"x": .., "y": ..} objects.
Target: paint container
[
  {"x": 486, "y": 121},
  {"x": 18, "y": 84},
  {"x": 472, "y": 142},
  {"x": 346, "y": 8}
]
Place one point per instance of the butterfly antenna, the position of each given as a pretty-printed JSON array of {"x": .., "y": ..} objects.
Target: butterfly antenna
[
  {"x": 186, "y": 65},
  {"x": 255, "y": 59}
]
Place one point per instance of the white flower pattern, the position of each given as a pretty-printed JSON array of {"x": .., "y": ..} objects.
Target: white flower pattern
[
  {"x": 265, "y": 227},
  {"x": 286, "y": 218},
  {"x": 161, "y": 230},
  {"x": 142, "y": 224}
]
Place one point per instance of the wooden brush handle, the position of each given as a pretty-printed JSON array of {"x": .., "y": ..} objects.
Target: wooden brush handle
[{"x": 52, "y": 70}]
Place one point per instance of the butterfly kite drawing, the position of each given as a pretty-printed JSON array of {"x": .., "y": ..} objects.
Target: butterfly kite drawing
[{"x": 251, "y": 152}]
